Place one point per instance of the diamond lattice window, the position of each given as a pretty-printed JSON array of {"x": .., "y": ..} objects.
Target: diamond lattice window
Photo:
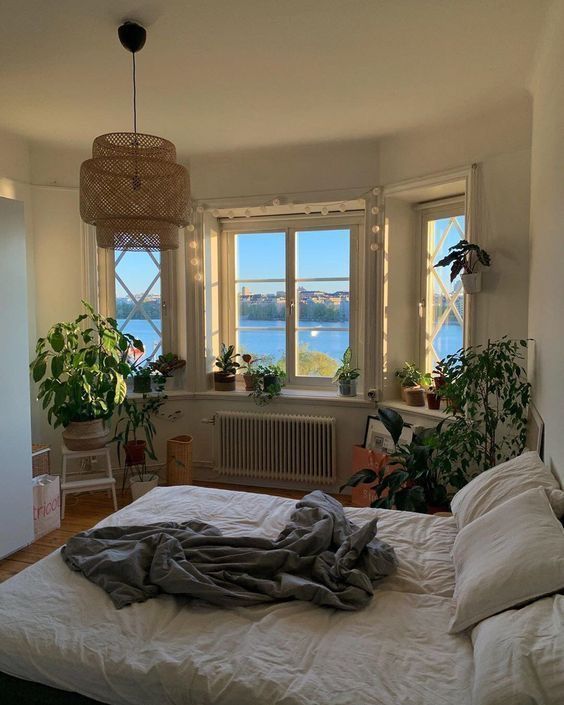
[
  {"x": 138, "y": 298},
  {"x": 444, "y": 332}
]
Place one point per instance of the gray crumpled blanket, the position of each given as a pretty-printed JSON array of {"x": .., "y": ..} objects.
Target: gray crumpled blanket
[{"x": 319, "y": 557}]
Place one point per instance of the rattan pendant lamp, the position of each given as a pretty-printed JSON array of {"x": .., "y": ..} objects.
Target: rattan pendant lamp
[{"x": 132, "y": 189}]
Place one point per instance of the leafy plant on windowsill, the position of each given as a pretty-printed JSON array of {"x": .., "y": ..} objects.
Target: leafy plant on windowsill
[
  {"x": 268, "y": 381},
  {"x": 408, "y": 480},
  {"x": 166, "y": 364},
  {"x": 82, "y": 370},
  {"x": 409, "y": 375},
  {"x": 488, "y": 395}
]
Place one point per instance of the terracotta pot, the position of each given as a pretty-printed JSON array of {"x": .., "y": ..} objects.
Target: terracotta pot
[
  {"x": 433, "y": 401},
  {"x": 415, "y": 396},
  {"x": 141, "y": 487},
  {"x": 224, "y": 381},
  {"x": 135, "y": 452},
  {"x": 249, "y": 380},
  {"x": 86, "y": 435},
  {"x": 405, "y": 390}
]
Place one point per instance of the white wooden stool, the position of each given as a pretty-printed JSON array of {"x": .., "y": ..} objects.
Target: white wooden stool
[{"x": 86, "y": 484}]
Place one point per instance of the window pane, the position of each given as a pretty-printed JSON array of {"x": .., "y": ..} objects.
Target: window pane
[
  {"x": 322, "y": 253},
  {"x": 261, "y": 304},
  {"x": 319, "y": 351},
  {"x": 445, "y": 317},
  {"x": 450, "y": 336},
  {"x": 323, "y": 304},
  {"x": 268, "y": 345},
  {"x": 138, "y": 297},
  {"x": 260, "y": 256}
]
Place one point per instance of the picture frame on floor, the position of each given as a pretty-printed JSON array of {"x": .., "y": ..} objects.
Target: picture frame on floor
[{"x": 377, "y": 438}]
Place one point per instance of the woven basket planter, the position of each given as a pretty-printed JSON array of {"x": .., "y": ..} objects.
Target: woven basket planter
[{"x": 179, "y": 460}]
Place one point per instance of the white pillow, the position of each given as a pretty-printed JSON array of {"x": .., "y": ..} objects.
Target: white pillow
[
  {"x": 487, "y": 490},
  {"x": 519, "y": 656},
  {"x": 509, "y": 556}
]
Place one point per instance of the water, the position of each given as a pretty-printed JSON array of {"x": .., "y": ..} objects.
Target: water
[{"x": 272, "y": 343}]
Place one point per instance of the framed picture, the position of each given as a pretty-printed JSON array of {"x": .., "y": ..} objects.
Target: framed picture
[
  {"x": 535, "y": 431},
  {"x": 376, "y": 437}
]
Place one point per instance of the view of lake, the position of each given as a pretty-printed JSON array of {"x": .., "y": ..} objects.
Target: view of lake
[{"x": 272, "y": 343}]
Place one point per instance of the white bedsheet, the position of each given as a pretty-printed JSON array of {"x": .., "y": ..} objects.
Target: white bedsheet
[{"x": 59, "y": 629}]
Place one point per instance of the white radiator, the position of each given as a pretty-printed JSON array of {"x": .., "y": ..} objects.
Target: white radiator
[{"x": 276, "y": 446}]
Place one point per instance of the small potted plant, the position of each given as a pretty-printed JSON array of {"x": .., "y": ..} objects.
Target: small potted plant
[
  {"x": 136, "y": 419},
  {"x": 248, "y": 371},
  {"x": 165, "y": 365},
  {"x": 464, "y": 257},
  {"x": 142, "y": 379},
  {"x": 268, "y": 381},
  {"x": 82, "y": 370},
  {"x": 410, "y": 377},
  {"x": 224, "y": 380},
  {"x": 433, "y": 398},
  {"x": 346, "y": 375}
]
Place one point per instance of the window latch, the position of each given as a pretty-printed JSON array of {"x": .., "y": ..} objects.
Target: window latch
[{"x": 421, "y": 308}]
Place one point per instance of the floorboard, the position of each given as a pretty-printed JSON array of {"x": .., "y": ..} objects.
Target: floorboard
[{"x": 85, "y": 510}]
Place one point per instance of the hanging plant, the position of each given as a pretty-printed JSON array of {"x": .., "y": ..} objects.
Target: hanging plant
[{"x": 463, "y": 258}]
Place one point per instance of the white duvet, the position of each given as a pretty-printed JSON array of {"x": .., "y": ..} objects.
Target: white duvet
[{"x": 59, "y": 629}]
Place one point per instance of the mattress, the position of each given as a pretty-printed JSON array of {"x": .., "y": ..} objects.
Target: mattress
[{"x": 59, "y": 629}]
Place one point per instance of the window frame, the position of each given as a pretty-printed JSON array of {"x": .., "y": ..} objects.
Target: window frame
[
  {"x": 290, "y": 225},
  {"x": 107, "y": 293},
  {"x": 445, "y": 208}
]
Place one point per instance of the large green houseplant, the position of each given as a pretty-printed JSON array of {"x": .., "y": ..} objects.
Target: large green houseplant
[
  {"x": 82, "y": 366},
  {"x": 487, "y": 395}
]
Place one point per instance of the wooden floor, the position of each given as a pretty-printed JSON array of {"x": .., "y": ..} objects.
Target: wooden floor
[{"x": 85, "y": 510}]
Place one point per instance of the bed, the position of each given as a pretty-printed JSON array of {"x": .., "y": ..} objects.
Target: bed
[{"x": 67, "y": 634}]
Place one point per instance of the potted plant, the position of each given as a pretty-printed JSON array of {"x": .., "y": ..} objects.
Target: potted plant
[
  {"x": 268, "y": 381},
  {"x": 433, "y": 398},
  {"x": 464, "y": 257},
  {"x": 248, "y": 371},
  {"x": 136, "y": 420},
  {"x": 165, "y": 365},
  {"x": 408, "y": 480},
  {"x": 82, "y": 368},
  {"x": 224, "y": 380},
  {"x": 346, "y": 375},
  {"x": 410, "y": 378},
  {"x": 488, "y": 396},
  {"x": 141, "y": 379}
]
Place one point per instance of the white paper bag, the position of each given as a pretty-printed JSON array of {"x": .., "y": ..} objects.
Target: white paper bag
[{"x": 46, "y": 504}]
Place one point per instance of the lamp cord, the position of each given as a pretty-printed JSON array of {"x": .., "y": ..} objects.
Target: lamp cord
[{"x": 134, "y": 96}]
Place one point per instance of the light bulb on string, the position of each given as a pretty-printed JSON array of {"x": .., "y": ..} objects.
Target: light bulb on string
[
  {"x": 190, "y": 227},
  {"x": 215, "y": 213},
  {"x": 194, "y": 261},
  {"x": 375, "y": 229},
  {"x": 324, "y": 210},
  {"x": 247, "y": 213},
  {"x": 193, "y": 244},
  {"x": 374, "y": 210},
  {"x": 200, "y": 209},
  {"x": 307, "y": 210},
  {"x": 374, "y": 246},
  {"x": 198, "y": 277},
  {"x": 342, "y": 207},
  {"x": 231, "y": 215},
  {"x": 275, "y": 201}
]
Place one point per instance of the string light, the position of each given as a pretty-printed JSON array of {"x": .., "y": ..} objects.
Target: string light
[
  {"x": 342, "y": 207},
  {"x": 374, "y": 210},
  {"x": 198, "y": 277},
  {"x": 375, "y": 191},
  {"x": 324, "y": 210},
  {"x": 193, "y": 244},
  {"x": 200, "y": 209},
  {"x": 190, "y": 227},
  {"x": 247, "y": 213},
  {"x": 275, "y": 201},
  {"x": 374, "y": 246},
  {"x": 215, "y": 213},
  {"x": 195, "y": 261},
  {"x": 375, "y": 229},
  {"x": 307, "y": 210},
  {"x": 231, "y": 215}
]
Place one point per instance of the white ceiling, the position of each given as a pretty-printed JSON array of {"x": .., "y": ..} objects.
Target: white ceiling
[{"x": 217, "y": 75}]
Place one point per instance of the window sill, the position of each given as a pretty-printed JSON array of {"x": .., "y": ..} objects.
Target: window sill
[
  {"x": 288, "y": 396},
  {"x": 292, "y": 396},
  {"x": 403, "y": 408}
]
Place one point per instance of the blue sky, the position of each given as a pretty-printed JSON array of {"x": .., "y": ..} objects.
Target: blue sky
[{"x": 320, "y": 253}]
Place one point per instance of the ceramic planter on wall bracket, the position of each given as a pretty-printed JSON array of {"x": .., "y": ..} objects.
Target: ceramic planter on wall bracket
[{"x": 472, "y": 283}]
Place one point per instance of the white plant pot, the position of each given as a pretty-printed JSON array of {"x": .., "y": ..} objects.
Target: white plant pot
[
  {"x": 472, "y": 283},
  {"x": 141, "y": 487}
]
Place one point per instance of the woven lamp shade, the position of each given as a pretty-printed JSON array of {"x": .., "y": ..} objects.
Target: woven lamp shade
[{"x": 134, "y": 192}]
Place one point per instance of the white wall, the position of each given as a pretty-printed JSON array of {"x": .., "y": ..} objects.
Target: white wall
[
  {"x": 546, "y": 306},
  {"x": 500, "y": 141}
]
